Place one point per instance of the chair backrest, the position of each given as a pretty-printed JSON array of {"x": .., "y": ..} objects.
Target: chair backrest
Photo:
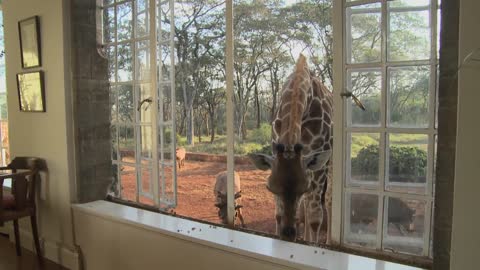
[
  {"x": 28, "y": 163},
  {"x": 24, "y": 186}
]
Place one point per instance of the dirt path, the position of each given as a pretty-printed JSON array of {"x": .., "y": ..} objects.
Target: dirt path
[
  {"x": 196, "y": 198},
  {"x": 195, "y": 182}
]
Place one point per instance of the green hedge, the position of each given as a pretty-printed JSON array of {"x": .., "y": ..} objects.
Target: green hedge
[{"x": 406, "y": 163}]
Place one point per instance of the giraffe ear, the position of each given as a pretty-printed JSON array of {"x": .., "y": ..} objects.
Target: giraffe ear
[
  {"x": 316, "y": 160},
  {"x": 261, "y": 161}
]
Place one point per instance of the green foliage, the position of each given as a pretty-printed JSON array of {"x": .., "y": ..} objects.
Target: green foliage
[
  {"x": 262, "y": 135},
  {"x": 403, "y": 161},
  {"x": 361, "y": 141}
]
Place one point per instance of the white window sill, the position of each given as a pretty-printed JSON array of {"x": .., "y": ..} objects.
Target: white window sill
[
  {"x": 7, "y": 184},
  {"x": 255, "y": 246}
]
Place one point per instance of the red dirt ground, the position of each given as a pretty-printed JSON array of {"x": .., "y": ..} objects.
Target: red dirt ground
[
  {"x": 196, "y": 199},
  {"x": 195, "y": 182}
]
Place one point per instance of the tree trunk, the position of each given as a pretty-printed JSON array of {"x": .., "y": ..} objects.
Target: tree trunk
[
  {"x": 243, "y": 128},
  {"x": 188, "y": 114},
  {"x": 212, "y": 127},
  {"x": 257, "y": 105}
]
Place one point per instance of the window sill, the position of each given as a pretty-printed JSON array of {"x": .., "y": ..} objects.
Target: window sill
[
  {"x": 250, "y": 245},
  {"x": 7, "y": 184}
]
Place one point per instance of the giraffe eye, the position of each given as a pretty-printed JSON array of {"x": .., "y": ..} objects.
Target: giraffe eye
[
  {"x": 297, "y": 148},
  {"x": 280, "y": 148}
]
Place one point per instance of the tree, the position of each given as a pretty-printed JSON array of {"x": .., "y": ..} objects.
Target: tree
[{"x": 197, "y": 27}]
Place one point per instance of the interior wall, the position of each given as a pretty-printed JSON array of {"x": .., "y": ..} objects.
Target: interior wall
[
  {"x": 112, "y": 245},
  {"x": 466, "y": 216},
  {"x": 44, "y": 134}
]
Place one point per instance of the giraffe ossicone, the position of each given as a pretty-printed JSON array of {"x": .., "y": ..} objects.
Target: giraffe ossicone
[{"x": 301, "y": 154}]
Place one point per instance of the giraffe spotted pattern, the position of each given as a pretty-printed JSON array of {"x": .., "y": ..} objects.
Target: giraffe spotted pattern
[{"x": 301, "y": 147}]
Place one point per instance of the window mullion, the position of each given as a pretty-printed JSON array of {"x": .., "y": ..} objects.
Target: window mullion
[
  {"x": 153, "y": 84},
  {"x": 230, "y": 113},
  {"x": 173, "y": 99},
  {"x": 383, "y": 122},
  {"x": 339, "y": 137}
]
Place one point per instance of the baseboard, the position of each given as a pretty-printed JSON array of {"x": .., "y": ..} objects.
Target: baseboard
[{"x": 53, "y": 251}]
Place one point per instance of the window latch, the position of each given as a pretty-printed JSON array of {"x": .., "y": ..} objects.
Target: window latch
[
  {"x": 348, "y": 94},
  {"x": 140, "y": 103}
]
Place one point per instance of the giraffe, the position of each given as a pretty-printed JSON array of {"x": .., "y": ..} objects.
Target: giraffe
[{"x": 301, "y": 152}]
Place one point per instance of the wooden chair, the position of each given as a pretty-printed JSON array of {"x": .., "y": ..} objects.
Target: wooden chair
[{"x": 24, "y": 172}]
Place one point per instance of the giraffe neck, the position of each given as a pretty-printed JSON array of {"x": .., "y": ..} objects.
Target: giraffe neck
[{"x": 294, "y": 103}]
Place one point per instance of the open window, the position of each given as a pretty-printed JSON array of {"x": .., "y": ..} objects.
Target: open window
[
  {"x": 387, "y": 158},
  {"x": 137, "y": 38},
  {"x": 4, "y": 144},
  {"x": 179, "y": 79}
]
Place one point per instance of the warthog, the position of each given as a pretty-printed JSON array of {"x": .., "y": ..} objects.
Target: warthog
[{"x": 220, "y": 192}]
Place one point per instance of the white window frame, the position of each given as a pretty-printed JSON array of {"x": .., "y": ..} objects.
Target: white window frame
[
  {"x": 3, "y": 118},
  {"x": 157, "y": 188},
  {"x": 342, "y": 130}
]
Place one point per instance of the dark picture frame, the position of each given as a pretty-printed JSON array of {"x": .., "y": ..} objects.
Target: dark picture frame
[
  {"x": 31, "y": 91},
  {"x": 30, "y": 49}
]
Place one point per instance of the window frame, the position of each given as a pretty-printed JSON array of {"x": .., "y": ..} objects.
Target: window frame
[
  {"x": 342, "y": 68},
  {"x": 157, "y": 188}
]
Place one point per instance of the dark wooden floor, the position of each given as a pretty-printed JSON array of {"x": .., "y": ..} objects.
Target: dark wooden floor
[{"x": 28, "y": 260}]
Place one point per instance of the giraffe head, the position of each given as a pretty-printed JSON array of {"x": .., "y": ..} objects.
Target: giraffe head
[
  {"x": 291, "y": 168},
  {"x": 290, "y": 178}
]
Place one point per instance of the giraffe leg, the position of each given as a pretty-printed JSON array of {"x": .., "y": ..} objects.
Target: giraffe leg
[
  {"x": 278, "y": 220},
  {"x": 315, "y": 225},
  {"x": 314, "y": 215}
]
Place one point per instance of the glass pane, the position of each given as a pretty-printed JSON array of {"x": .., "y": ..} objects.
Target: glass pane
[
  {"x": 4, "y": 157},
  {"x": 114, "y": 139},
  {"x": 124, "y": 21},
  {"x": 4, "y": 133},
  {"x": 364, "y": 158},
  {"x": 361, "y": 219},
  {"x": 124, "y": 64},
  {"x": 409, "y": 35},
  {"x": 111, "y": 53},
  {"x": 164, "y": 29},
  {"x": 141, "y": 28},
  {"x": 3, "y": 104},
  {"x": 408, "y": 3},
  {"x": 142, "y": 61},
  {"x": 404, "y": 229},
  {"x": 126, "y": 143},
  {"x": 166, "y": 142},
  {"x": 146, "y": 186},
  {"x": 363, "y": 35},
  {"x": 439, "y": 23},
  {"x": 108, "y": 2},
  {"x": 146, "y": 143},
  {"x": 166, "y": 95},
  {"x": 408, "y": 96},
  {"x": 165, "y": 62},
  {"x": 167, "y": 186},
  {"x": 128, "y": 182},
  {"x": 366, "y": 85},
  {"x": 113, "y": 104},
  {"x": 145, "y": 105},
  {"x": 109, "y": 25},
  {"x": 126, "y": 109},
  {"x": 407, "y": 163}
]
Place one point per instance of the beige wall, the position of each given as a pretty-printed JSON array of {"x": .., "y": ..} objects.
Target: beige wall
[
  {"x": 109, "y": 245},
  {"x": 44, "y": 134},
  {"x": 466, "y": 215}
]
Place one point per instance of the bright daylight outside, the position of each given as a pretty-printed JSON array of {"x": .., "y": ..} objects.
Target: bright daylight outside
[{"x": 173, "y": 156}]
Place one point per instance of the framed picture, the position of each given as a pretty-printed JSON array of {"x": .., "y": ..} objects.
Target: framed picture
[
  {"x": 29, "y": 32},
  {"x": 31, "y": 93}
]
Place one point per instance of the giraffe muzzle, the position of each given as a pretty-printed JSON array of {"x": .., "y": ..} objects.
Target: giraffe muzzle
[{"x": 289, "y": 233}]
